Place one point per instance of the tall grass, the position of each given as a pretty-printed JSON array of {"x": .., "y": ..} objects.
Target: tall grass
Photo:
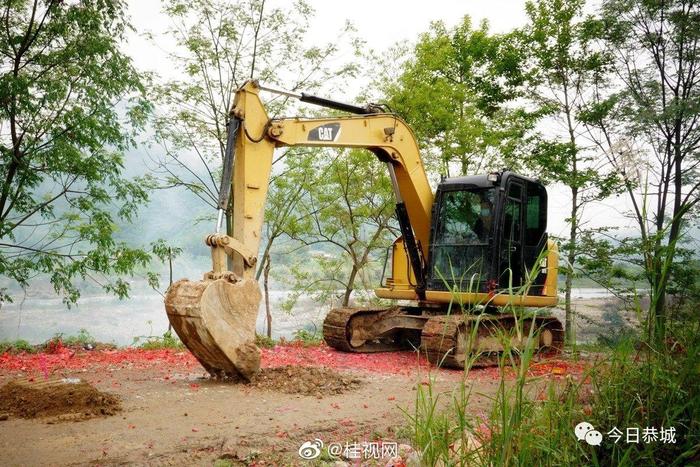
[
  {"x": 642, "y": 387},
  {"x": 531, "y": 420},
  {"x": 519, "y": 429}
]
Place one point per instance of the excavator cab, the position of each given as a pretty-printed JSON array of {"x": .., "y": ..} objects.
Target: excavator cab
[{"x": 487, "y": 233}]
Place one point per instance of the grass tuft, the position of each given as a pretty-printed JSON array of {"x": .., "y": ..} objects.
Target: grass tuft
[
  {"x": 167, "y": 341},
  {"x": 17, "y": 346}
]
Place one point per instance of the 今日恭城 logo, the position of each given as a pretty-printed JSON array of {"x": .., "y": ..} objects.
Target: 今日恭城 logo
[{"x": 584, "y": 431}]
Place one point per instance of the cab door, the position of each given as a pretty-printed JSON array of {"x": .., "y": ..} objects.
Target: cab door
[
  {"x": 511, "y": 241},
  {"x": 535, "y": 233}
]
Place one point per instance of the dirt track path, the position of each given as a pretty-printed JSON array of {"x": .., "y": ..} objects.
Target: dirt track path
[
  {"x": 176, "y": 419},
  {"x": 172, "y": 416}
]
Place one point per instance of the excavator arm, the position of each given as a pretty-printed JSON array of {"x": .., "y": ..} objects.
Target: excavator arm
[
  {"x": 215, "y": 317},
  {"x": 257, "y": 136}
]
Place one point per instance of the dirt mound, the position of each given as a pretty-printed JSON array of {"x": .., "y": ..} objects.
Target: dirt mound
[
  {"x": 309, "y": 381},
  {"x": 79, "y": 399}
]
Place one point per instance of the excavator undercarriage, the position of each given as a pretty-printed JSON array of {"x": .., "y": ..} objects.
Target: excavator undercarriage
[{"x": 447, "y": 340}]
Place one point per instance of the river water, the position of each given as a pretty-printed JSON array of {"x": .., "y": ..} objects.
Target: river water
[{"x": 109, "y": 319}]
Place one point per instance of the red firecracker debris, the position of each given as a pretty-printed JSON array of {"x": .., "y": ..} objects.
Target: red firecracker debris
[
  {"x": 64, "y": 358},
  {"x": 168, "y": 362}
]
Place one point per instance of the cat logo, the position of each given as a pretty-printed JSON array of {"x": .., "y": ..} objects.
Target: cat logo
[{"x": 328, "y": 132}]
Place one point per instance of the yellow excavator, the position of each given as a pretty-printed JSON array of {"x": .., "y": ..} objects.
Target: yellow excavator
[{"x": 476, "y": 244}]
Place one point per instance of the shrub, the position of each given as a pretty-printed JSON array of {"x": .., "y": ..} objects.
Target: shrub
[
  {"x": 262, "y": 340},
  {"x": 167, "y": 341},
  {"x": 17, "y": 346},
  {"x": 308, "y": 338},
  {"x": 82, "y": 339}
]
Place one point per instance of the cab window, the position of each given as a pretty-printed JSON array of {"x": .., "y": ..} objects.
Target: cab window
[
  {"x": 466, "y": 217},
  {"x": 535, "y": 214}
]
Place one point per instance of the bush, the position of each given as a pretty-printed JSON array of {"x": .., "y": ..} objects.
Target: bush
[
  {"x": 82, "y": 339},
  {"x": 17, "y": 346},
  {"x": 167, "y": 341},
  {"x": 617, "y": 331},
  {"x": 263, "y": 341},
  {"x": 308, "y": 338}
]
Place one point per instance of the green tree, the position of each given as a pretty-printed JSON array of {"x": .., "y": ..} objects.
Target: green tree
[
  {"x": 647, "y": 121},
  {"x": 220, "y": 45},
  {"x": 348, "y": 215},
  {"x": 70, "y": 102},
  {"x": 457, "y": 92},
  {"x": 561, "y": 68}
]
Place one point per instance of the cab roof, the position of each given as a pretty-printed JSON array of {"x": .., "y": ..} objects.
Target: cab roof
[{"x": 480, "y": 181}]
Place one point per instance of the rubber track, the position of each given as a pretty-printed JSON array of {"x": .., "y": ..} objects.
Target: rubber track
[
  {"x": 440, "y": 337},
  {"x": 337, "y": 329}
]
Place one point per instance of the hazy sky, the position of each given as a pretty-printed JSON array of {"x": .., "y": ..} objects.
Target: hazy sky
[{"x": 381, "y": 23}]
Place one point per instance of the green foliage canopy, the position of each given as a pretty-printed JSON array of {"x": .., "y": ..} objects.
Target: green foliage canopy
[
  {"x": 647, "y": 123},
  {"x": 220, "y": 45},
  {"x": 70, "y": 102},
  {"x": 456, "y": 93},
  {"x": 348, "y": 212}
]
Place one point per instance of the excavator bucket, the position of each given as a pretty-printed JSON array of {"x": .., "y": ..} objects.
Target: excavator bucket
[{"x": 215, "y": 319}]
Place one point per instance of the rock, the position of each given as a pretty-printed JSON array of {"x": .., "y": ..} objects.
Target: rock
[{"x": 4, "y": 416}]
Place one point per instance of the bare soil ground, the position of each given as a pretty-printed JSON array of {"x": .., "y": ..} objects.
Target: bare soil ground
[
  {"x": 56, "y": 397},
  {"x": 172, "y": 414}
]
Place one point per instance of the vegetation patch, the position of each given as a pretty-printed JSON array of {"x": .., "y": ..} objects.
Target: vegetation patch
[
  {"x": 17, "y": 346},
  {"x": 167, "y": 341}
]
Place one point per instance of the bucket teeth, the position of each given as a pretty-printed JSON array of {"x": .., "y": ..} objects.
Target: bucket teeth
[{"x": 215, "y": 319}]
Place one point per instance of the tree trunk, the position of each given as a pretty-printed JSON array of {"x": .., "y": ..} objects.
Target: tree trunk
[
  {"x": 658, "y": 333},
  {"x": 350, "y": 285},
  {"x": 665, "y": 259},
  {"x": 170, "y": 282},
  {"x": 266, "y": 253},
  {"x": 266, "y": 287},
  {"x": 571, "y": 259},
  {"x": 572, "y": 253}
]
